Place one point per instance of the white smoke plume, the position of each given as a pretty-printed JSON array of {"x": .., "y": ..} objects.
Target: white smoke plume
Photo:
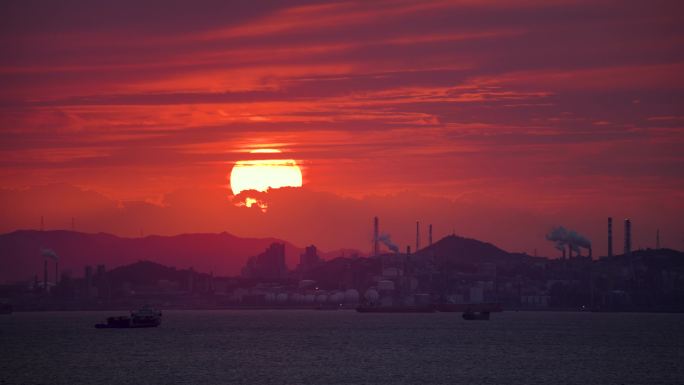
[
  {"x": 48, "y": 253},
  {"x": 564, "y": 237},
  {"x": 387, "y": 241}
]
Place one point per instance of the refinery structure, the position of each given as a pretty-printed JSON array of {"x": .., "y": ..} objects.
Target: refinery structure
[{"x": 452, "y": 273}]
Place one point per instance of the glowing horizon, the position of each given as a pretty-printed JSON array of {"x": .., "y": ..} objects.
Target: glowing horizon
[{"x": 488, "y": 108}]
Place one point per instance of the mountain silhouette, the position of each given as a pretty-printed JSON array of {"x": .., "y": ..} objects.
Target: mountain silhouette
[
  {"x": 222, "y": 254},
  {"x": 467, "y": 250}
]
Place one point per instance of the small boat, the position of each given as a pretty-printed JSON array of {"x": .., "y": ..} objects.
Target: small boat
[
  {"x": 146, "y": 317},
  {"x": 476, "y": 316}
]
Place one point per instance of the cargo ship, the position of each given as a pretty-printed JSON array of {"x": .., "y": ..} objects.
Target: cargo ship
[
  {"x": 468, "y": 307},
  {"x": 145, "y": 317},
  {"x": 395, "y": 309}
]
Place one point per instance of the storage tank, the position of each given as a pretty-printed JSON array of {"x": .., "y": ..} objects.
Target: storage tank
[
  {"x": 422, "y": 299},
  {"x": 385, "y": 285},
  {"x": 304, "y": 283},
  {"x": 391, "y": 272},
  {"x": 371, "y": 295},
  {"x": 413, "y": 283},
  {"x": 281, "y": 298},
  {"x": 351, "y": 296}
]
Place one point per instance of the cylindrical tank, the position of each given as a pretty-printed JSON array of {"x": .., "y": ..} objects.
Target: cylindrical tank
[
  {"x": 336, "y": 297},
  {"x": 391, "y": 272},
  {"x": 351, "y": 296},
  {"x": 371, "y": 295},
  {"x": 385, "y": 285},
  {"x": 282, "y": 298},
  {"x": 306, "y": 283},
  {"x": 413, "y": 283},
  {"x": 422, "y": 299}
]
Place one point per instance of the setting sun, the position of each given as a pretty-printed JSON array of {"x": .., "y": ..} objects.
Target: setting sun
[{"x": 262, "y": 174}]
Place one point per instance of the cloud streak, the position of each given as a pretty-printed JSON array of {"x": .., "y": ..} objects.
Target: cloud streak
[{"x": 453, "y": 98}]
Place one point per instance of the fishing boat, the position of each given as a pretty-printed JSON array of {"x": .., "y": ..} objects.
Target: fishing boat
[
  {"x": 145, "y": 317},
  {"x": 476, "y": 316}
]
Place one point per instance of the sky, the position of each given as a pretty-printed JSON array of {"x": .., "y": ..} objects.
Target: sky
[{"x": 490, "y": 119}]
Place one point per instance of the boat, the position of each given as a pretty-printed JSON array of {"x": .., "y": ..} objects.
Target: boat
[
  {"x": 145, "y": 317},
  {"x": 395, "y": 309},
  {"x": 476, "y": 316},
  {"x": 465, "y": 307}
]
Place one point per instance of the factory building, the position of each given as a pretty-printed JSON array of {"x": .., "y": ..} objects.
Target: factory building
[{"x": 268, "y": 265}]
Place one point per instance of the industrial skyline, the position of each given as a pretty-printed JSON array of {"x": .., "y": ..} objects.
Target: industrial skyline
[{"x": 342, "y": 192}]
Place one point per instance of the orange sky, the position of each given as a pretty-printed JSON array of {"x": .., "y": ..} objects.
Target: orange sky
[{"x": 496, "y": 119}]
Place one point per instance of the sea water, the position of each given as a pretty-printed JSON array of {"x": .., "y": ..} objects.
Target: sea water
[{"x": 344, "y": 347}]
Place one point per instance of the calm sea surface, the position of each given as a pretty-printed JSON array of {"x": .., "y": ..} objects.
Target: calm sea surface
[{"x": 344, "y": 347}]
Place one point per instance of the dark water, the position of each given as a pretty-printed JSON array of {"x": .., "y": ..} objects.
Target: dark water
[{"x": 344, "y": 347}]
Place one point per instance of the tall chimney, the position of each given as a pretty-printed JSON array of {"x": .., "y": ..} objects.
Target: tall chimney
[
  {"x": 569, "y": 251},
  {"x": 417, "y": 235},
  {"x": 45, "y": 275},
  {"x": 628, "y": 237},
  {"x": 590, "y": 252},
  {"x": 408, "y": 250},
  {"x": 376, "y": 237},
  {"x": 563, "y": 250},
  {"x": 610, "y": 236},
  {"x": 430, "y": 234}
]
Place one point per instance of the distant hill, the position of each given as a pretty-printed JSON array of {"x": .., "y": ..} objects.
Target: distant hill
[
  {"x": 467, "y": 250},
  {"x": 222, "y": 254}
]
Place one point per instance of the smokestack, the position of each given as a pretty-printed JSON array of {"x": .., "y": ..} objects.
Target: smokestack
[
  {"x": 417, "y": 235},
  {"x": 569, "y": 251},
  {"x": 408, "y": 250},
  {"x": 376, "y": 236},
  {"x": 430, "y": 234},
  {"x": 590, "y": 257},
  {"x": 610, "y": 236},
  {"x": 45, "y": 275},
  {"x": 563, "y": 250},
  {"x": 628, "y": 237}
]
